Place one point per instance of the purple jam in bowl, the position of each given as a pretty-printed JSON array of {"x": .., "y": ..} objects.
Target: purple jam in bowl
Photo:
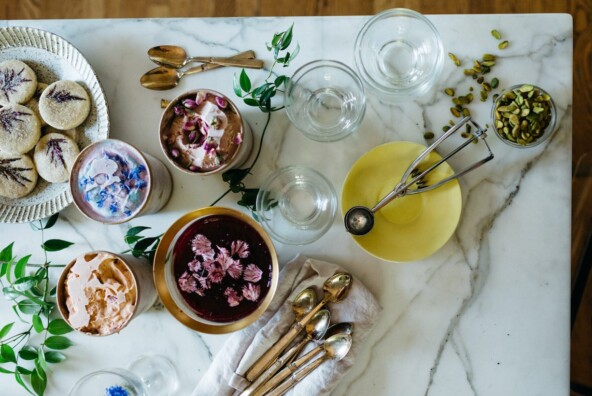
[{"x": 222, "y": 268}]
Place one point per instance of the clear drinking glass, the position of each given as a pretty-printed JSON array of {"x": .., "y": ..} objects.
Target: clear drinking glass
[
  {"x": 325, "y": 100},
  {"x": 296, "y": 205},
  {"x": 399, "y": 54},
  {"x": 147, "y": 376}
]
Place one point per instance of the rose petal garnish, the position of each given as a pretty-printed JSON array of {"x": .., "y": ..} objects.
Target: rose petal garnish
[
  {"x": 194, "y": 168},
  {"x": 221, "y": 102},
  {"x": 200, "y": 97},
  {"x": 238, "y": 139},
  {"x": 179, "y": 110},
  {"x": 192, "y": 136},
  {"x": 175, "y": 153},
  {"x": 190, "y": 104}
]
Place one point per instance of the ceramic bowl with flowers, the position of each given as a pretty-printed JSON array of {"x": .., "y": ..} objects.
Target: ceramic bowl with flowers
[{"x": 202, "y": 132}]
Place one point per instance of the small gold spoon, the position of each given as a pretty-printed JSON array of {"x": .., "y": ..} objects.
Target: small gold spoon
[
  {"x": 175, "y": 57},
  {"x": 163, "y": 78}
]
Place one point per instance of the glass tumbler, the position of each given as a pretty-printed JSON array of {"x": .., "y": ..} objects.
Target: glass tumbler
[
  {"x": 296, "y": 205},
  {"x": 399, "y": 54},
  {"x": 325, "y": 100}
]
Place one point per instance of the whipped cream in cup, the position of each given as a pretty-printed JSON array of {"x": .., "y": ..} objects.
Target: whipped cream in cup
[
  {"x": 100, "y": 292},
  {"x": 113, "y": 182},
  {"x": 202, "y": 132}
]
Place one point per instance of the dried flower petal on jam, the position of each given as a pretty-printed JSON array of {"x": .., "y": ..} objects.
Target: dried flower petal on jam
[
  {"x": 251, "y": 292},
  {"x": 235, "y": 269},
  {"x": 239, "y": 248},
  {"x": 252, "y": 273},
  {"x": 232, "y": 297},
  {"x": 187, "y": 283}
]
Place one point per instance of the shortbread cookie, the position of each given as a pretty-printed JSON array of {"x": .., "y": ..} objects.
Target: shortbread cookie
[
  {"x": 64, "y": 104},
  {"x": 20, "y": 129},
  {"x": 17, "y": 82},
  {"x": 54, "y": 157},
  {"x": 71, "y": 133},
  {"x": 33, "y": 104},
  {"x": 18, "y": 176}
]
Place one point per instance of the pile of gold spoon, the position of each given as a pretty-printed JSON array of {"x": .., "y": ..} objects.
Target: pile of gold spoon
[
  {"x": 171, "y": 59},
  {"x": 333, "y": 342}
]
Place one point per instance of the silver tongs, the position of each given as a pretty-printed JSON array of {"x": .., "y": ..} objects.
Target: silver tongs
[{"x": 359, "y": 220}]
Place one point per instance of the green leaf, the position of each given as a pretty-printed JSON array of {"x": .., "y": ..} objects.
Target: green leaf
[
  {"x": 59, "y": 327},
  {"x": 286, "y": 38},
  {"x": 41, "y": 358},
  {"x": 136, "y": 230},
  {"x": 276, "y": 39},
  {"x": 40, "y": 370},
  {"x": 292, "y": 56},
  {"x": 5, "y": 330},
  {"x": 251, "y": 102},
  {"x": 22, "y": 370},
  {"x": 28, "y": 353},
  {"x": 245, "y": 81},
  {"x": 54, "y": 357},
  {"x": 6, "y": 253},
  {"x": 53, "y": 291},
  {"x": 236, "y": 85},
  {"x": 58, "y": 342},
  {"x": 38, "y": 383},
  {"x": 267, "y": 95},
  {"x": 4, "y": 371},
  {"x": 21, "y": 266},
  {"x": 144, "y": 244},
  {"x": 8, "y": 353},
  {"x": 235, "y": 176},
  {"x": 55, "y": 245},
  {"x": 25, "y": 283},
  {"x": 281, "y": 80},
  {"x": 260, "y": 89},
  {"x": 27, "y": 307},
  {"x": 130, "y": 240},
  {"x": 37, "y": 324},
  {"x": 18, "y": 378},
  {"x": 51, "y": 220}
]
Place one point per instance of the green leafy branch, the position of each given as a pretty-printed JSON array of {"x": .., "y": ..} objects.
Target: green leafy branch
[
  {"x": 260, "y": 97},
  {"x": 33, "y": 304},
  {"x": 139, "y": 245}
]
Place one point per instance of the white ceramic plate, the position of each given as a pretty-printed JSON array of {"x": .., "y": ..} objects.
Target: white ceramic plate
[{"x": 52, "y": 58}]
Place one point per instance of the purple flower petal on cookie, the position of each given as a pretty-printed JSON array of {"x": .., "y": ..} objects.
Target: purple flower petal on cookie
[
  {"x": 251, "y": 292},
  {"x": 252, "y": 273},
  {"x": 240, "y": 248}
]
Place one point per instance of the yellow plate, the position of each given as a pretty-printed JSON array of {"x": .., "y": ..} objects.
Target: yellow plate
[{"x": 409, "y": 228}]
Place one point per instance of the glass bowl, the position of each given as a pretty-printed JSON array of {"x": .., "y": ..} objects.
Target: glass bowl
[
  {"x": 325, "y": 100},
  {"x": 399, "y": 54},
  {"x": 216, "y": 270},
  {"x": 296, "y": 205},
  {"x": 503, "y": 100}
]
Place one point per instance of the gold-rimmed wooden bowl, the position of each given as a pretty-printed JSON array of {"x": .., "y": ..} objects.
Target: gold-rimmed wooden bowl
[{"x": 166, "y": 277}]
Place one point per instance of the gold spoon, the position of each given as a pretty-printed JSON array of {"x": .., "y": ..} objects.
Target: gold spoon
[
  {"x": 336, "y": 289},
  {"x": 315, "y": 329},
  {"x": 304, "y": 302},
  {"x": 335, "y": 347},
  {"x": 162, "y": 78},
  {"x": 176, "y": 57}
]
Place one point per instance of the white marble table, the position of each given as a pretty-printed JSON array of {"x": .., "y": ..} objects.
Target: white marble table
[{"x": 488, "y": 314}]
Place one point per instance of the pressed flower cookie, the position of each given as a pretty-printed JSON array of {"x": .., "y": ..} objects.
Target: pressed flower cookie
[
  {"x": 33, "y": 103},
  {"x": 18, "y": 176},
  {"x": 54, "y": 157},
  {"x": 64, "y": 104},
  {"x": 17, "y": 82},
  {"x": 71, "y": 133},
  {"x": 20, "y": 129}
]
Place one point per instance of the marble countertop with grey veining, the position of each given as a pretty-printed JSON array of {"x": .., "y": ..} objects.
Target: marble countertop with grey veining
[{"x": 488, "y": 314}]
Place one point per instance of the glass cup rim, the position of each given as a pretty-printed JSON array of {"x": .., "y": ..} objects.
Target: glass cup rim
[
  {"x": 384, "y": 91},
  {"x": 546, "y": 133},
  {"x": 311, "y": 66},
  {"x": 122, "y": 373},
  {"x": 274, "y": 176}
]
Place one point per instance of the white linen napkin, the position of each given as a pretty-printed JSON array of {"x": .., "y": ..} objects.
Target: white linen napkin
[{"x": 225, "y": 375}]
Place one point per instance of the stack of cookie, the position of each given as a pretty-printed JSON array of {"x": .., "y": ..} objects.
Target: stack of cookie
[{"x": 27, "y": 105}]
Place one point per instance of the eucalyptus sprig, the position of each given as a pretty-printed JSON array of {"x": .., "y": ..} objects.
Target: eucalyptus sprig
[
  {"x": 26, "y": 354},
  {"x": 139, "y": 245},
  {"x": 261, "y": 97}
]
